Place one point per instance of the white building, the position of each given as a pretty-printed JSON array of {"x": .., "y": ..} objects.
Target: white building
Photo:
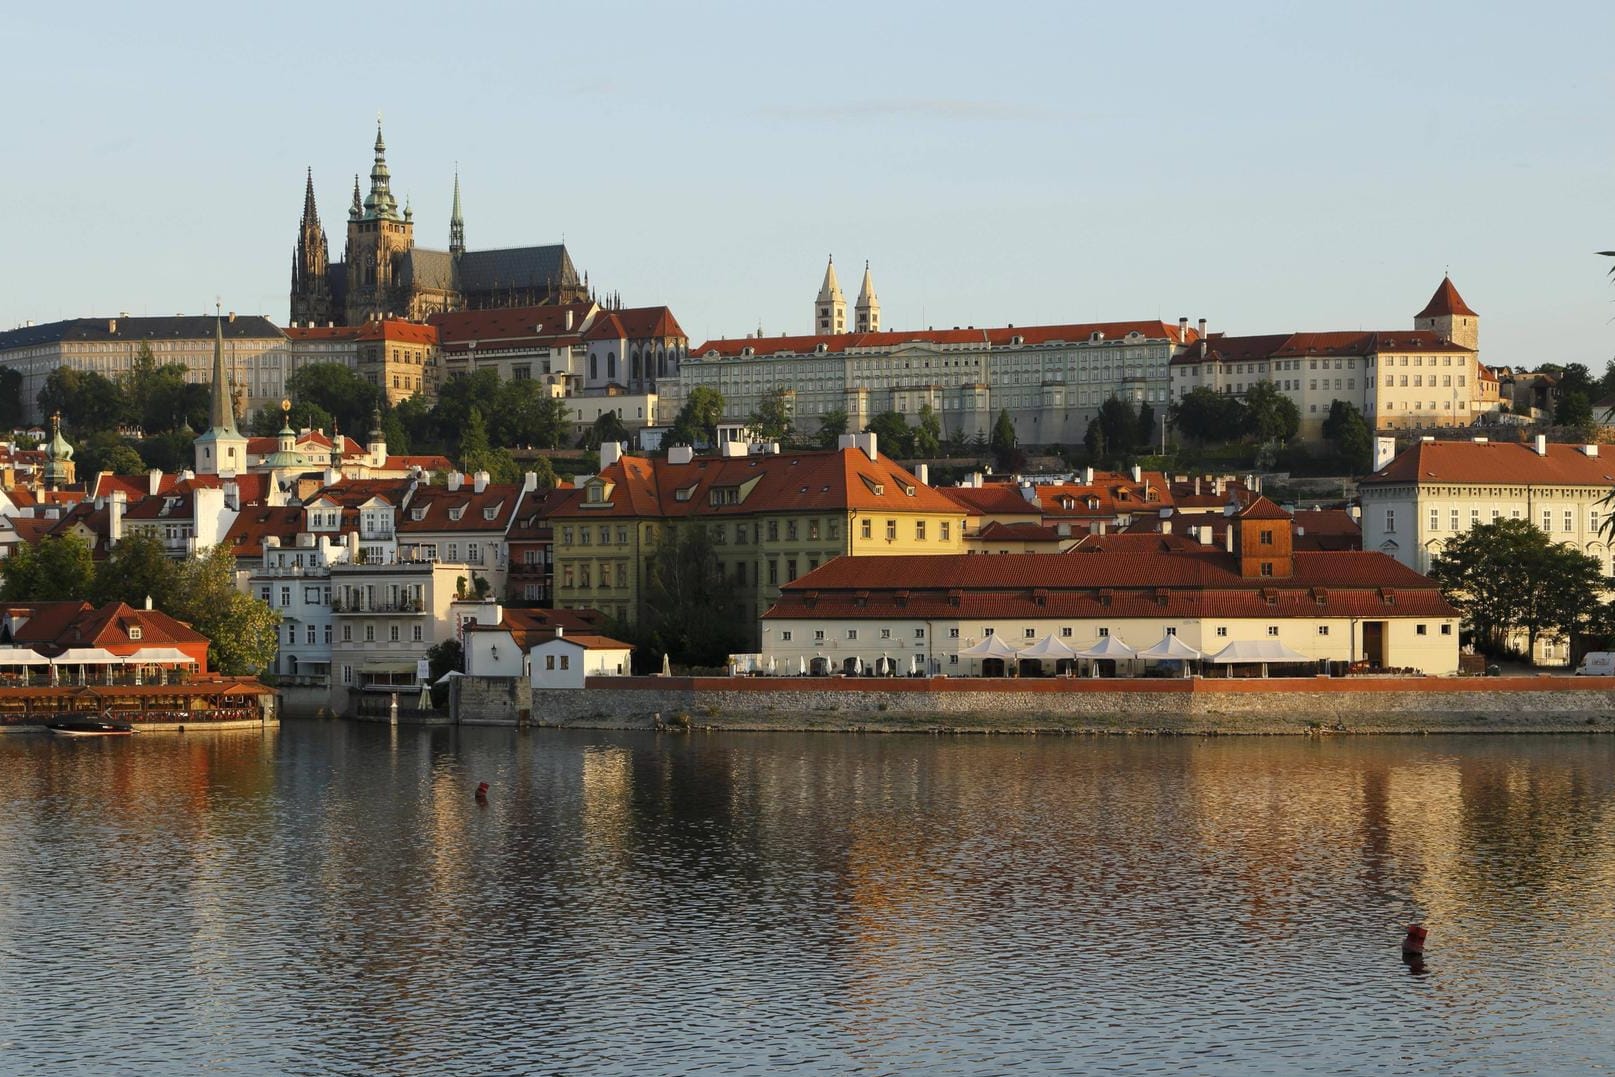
[{"x": 565, "y": 660}]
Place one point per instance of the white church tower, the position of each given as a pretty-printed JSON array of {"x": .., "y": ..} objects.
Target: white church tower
[
  {"x": 866, "y": 313},
  {"x": 223, "y": 449},
  {"x": 830, "y": 311}
]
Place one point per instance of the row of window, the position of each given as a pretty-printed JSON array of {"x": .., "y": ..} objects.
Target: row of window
[
  {"x": 1565, "y": 518},
  {"x": 787, "y": 635}
]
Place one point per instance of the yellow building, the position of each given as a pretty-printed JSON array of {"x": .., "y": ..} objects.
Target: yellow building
[{"x": 770, "y": 517}]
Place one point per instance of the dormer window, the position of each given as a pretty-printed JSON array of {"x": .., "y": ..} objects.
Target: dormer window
[
  {"x": 135, "y": 632},
  {"x": 457, "y": 512},
  {"x": 418, "y": 513}
]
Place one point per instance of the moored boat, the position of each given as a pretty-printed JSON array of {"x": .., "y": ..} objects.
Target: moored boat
[{"x": 89, "y": 725}]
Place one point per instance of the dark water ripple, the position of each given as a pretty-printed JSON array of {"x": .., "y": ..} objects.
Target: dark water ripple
[{"x": 330, "y": 900}]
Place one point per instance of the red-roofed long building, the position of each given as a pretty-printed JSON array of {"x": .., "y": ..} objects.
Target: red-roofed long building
[{"x": 1050, "y": 378}]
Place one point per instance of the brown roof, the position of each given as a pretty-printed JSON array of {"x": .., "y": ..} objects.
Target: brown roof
[
  {"x": 1446, "y": 302},
  {"x": 1003, "y": 337},
  {"x": 634, "y": 323},
  {"x": 1497, "y": 462},
  {"x": 437, "y": 508},
  {"x": 1226, "y": 349},
  {"x": 510, "y": 326},
  {"x": 401, "y": 331},
  {"x": 256, "y": 523}
]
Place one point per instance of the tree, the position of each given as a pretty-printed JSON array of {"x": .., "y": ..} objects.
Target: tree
[
  {"x": 1208, "y": 417},
  {"x": 1145, "y": 435},
  {"x": 475, "y": 452},
  {"x": 697, "y": 421},
  {"x": 269, "y": 420},
  {"x": 11, "y": 409},
  {"x": 1347, "y": 431},
  {"x": 772, "y": 420},
  {"x": 440, "y": 660},
  {"x": 122, "y": 459},
  {"x": 137, "y": 568},
  {"x": 544, "y": 471},
  {"x": 1574, "y": 409},
  {"x": 1508, "y": 577},
  {"x": 606, "y": 428},
  {"x": 57, "y": 569},
  {"x": 87, "y": 401},
  {"x": 892, "y": 433},
  {"x": 168, "y": 452},
  {"x": 928, "y": 434},
  {"x": 244, "y": 631},
  {"x": 1271, "y": 415},
  {"x": 692, "y": 606},
  {"x": 95, "y": 452},
  {"x": 338, "y": 391},
  {"x": 832, "y": 424}
]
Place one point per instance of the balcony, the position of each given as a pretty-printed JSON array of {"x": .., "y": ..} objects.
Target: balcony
[{"x": 409, "y": 606}]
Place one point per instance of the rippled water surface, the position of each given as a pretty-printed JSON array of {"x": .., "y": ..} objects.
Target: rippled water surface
[{"x": 329, "y": 898}]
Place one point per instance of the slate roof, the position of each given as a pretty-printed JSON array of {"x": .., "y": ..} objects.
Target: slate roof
[
  {"x": 516, "y": 267},
  {"x": 1003, "y": 337},
  {"x": 424, "y": 268},
  {"x": 181, "y": 327}
]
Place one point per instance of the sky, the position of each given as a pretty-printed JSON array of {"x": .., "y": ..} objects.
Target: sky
[{"x": 1266, "y": 167}]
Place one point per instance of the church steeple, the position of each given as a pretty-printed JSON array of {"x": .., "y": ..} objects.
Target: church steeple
[
  {"x": 356, "y": 210},
  {"x": 456, "y": 222},
  {"x": 866, "y": 312},
  {"x": 311, "y": 287},
  {"x": 221, "y": 415},
  {"x": 380, "y": 204},
  {"x": 830, "y": 310},
  {"x": 223, "y": 449}
]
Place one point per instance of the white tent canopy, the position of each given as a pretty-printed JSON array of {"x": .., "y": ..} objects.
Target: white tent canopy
[
  {"x": 1049, "y": 648},
  {"x": 991, "y": 647},
  {"x": 1108, "y": 647},
  {"x": 1169, "y": 649},
  {"x": 159, "y": 655},
  {"x": 88, "y": 656},
  {"x": 21, "y": 656},
  {"x": 1254, "y": 650}
]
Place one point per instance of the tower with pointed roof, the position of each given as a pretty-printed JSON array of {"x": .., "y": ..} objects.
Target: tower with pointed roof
[
  {"x": 311, "y": 285},
  {"x": 1450, "y": 318},
  {"x": 379, "y": 236},
  {"x": 866, "y": 311},
  {"x": 830, "y": 309},
  {"x": 222, "y": 450},
  {"x": 59, "y": 466},
  {"x": 456, "y": 222}
]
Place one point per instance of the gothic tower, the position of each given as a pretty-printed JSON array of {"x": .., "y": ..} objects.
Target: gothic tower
[
  {"x": 378, "y": 236},
  {"x": 1449, "y": 317},
  {"x": 830, "y": 309},
  {"x": 311, "y": 285},
  {"x": 456, "y": 222},
  {"x": 866, "y": 314}
]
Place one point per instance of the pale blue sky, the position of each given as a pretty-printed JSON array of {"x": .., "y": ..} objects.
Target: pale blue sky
[{"x": 1267, "y": 167}]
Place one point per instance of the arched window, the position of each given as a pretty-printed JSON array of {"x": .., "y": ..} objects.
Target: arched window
[
  {"x": 635, "y": 367},
  {"x": 594, "y": 368},
  {"x": 611, "y": 366}
]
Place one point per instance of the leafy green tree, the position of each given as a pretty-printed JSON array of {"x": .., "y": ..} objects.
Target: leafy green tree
[
  {"x": 773, "y": 418},
  {"x": 173, "y": 403},
  {"x": 891, "y": 430},
  {"x": 268, "y": 420},
  {"x": 1272, "y": 416},
  {"x": 58, "y": 568},
  {"x": 244, "y": 631},
  {"x": 1574, "y": 409},
  {"x": 1208, "y": 417},
  {"x": 168, "y": 452},
  {"x": 1144, "y": 437},
  {"x": 338, "y": 391},
  {"x": 526, "y": 413},
  {"x": 123, "y": 460},
  {"x": 697, "y": 421},
  {"x": 475, "y": 452},
  {"x": 87, "y": 401},
  {"x": 544, "y": 471},
  {"x": 1003, "y": 439},
  {"x": 832, "y": 424},
  {"x": 1095, "y": 444},
  {"x": 95, "y": 452},
  {"x": 11, "y": 410},
  {"x": 416, "y": 418},
  {"x": 928, "y": 434},
  {"x": 440, "y": 660},
  {"x": 138, "y": 567},
  {"x": 608, "y": 427},
  {"x": 1508, "y": 577},
  {"x": 1347, "y": 431},
  {"x": 692, "y": 606}
]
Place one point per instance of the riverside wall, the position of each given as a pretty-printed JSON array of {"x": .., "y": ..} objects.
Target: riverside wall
[{"x": 1192, "y": 706}]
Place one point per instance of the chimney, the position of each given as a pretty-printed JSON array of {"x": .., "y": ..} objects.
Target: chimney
[
  {"x": 846, "y": 441},
  {"x": 1197, "y": 486},
  {"x": 1101, "y": 530},
  {"x": 112, "y": 325},
  {"x": 1138, "y": 473},
  {"x": 610, "y": 453},
  {"x": 530, "y": 482},
  {"x": 115, "y": 505},
  {"x": 479, "y": 482},
  {"x": 1087, "y": 476},
  {"x": 1384, "y": 452},
  {"x": 869, "y": 443},
  {"x": 1204, "y": 534},
  {"x": 680, "y": 454},
  {"x": 232, "y": 317},
  {"x": 559, "y": 631},
  {"x": 454, "y": 480},
  {"x": 148, "y": 602},
  {"x": 1228, "y": 537},
  {"x": 1541, "y": 443},
  {"x": 154, "y": 482},
  {"x": 1590, "y": 450},
  {"x": 1183, "y": 329},
  {"x": 1166, "y": 527},
  {"x": 1202, "y": 329},
  {"x": 568, "y": 319},
  {"x": 922, "y": 472}
]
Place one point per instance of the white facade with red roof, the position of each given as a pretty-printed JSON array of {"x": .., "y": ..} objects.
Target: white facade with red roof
[{"x": 1051, "y": 379}]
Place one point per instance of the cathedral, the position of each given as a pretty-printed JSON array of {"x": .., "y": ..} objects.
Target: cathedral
[{"x": 383, "y": 274}]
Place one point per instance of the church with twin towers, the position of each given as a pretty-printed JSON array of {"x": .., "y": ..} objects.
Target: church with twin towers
[{"x": 383, "y": 274}]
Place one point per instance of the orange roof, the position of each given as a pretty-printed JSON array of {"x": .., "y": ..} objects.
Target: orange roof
[
  {"x": 634, "y": 323},
  {"x": 256, "y": 523},
  {"x": 1219, "y": 348},
  {"x": 591, "y": 642},
  {"x": 1005, "y": 337},
  {"x": 1446, "y": 302},
  {"x": 1261, "y": 508},
  {"x": 437, "y": 508},
  {"x": 833, "y": 480},
  {"x": 511, "y": 326},
  {"x": 401, "y": 331},
  {"x": 1495, "y": 462},
  {"x": 1112, "y": 493}
]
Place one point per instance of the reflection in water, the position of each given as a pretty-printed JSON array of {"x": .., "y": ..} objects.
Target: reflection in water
[{"x": 332, "y": 899}]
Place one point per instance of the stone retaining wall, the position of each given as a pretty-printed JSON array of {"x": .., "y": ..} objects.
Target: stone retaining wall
[{"x": 1368, "y": 704}]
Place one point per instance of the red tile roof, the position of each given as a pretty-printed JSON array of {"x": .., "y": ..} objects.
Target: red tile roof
[
  {"x": 511, "y": 327},
  {"x": 1497, "y": 462},
  {"x": 634, "y": 323},
  {"x": 1260, "y": 508},
  {"x": 393, "y": 329},
  {"x": 1004, "y": 337},
  {"x": 256, "y": 523},
  {"x": 437, "y": 508},
  {"x": 1226, "y": 349},
  {"x": 1446, "y": 302}
]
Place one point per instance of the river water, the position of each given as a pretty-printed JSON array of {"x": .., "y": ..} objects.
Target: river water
[{"x": 329, "y": 898}]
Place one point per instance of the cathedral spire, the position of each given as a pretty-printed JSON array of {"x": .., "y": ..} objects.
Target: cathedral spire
[
  {"x": 456, "y": 222},
  {"x": 356, "y": 210},
  {"x": 222, "y": 416},
  {"x": 311, "y": 289},
  {"x": 830, "y": 310},
  {"x": 866, "y": 312},
  {"x": 380, "y": 204}
]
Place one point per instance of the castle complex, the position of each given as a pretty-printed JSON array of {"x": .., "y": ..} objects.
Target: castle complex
[{"x": 384, "y": 275}]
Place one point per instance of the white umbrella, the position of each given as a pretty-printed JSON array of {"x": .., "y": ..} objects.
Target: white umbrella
[
  {"x": 1170, "y": 649},
  {"x": 801, "y": 667},
  {"x": 667, "y": 666},
  {"x": 914, "y": 664},
  {"x": 425, "y": 701},
  {"x": 857, "y": 664},
  {"x": 991, "y": 647},
  {"x": 1050, "y": 649},
  {"x": 1108, "y": 647},
  {"x": 770, "y": 665}
]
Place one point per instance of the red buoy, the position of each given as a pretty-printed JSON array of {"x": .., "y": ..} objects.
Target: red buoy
[
  {"x": 482, "y": 792},
  {"x": 1414, "y": 943}
]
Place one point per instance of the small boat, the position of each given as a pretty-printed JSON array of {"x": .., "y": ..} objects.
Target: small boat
[{"x": 89, "y": 725}]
